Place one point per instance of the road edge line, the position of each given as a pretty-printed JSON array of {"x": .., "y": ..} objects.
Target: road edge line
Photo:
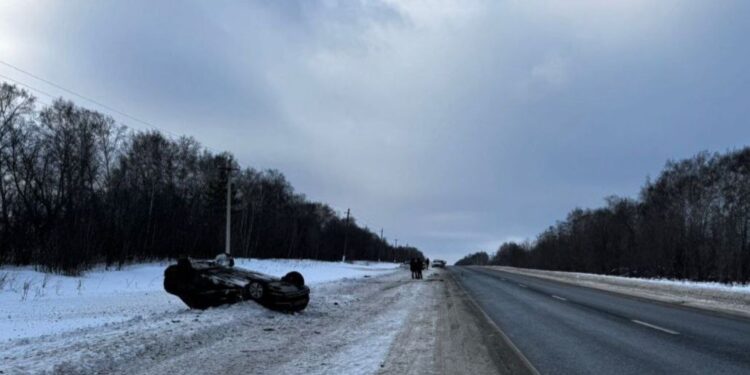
[{"x": 505, "y": 337}]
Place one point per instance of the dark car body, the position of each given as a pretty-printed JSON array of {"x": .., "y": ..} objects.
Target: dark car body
[{"x": 204, "y": 283}]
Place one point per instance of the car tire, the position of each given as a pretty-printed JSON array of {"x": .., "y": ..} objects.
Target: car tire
[
  {"x": 295, "y": 278},
  {"x": 255, "y": 291}
]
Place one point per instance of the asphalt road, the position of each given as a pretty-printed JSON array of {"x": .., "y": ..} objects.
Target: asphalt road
[{"x": 566, "y": 329}]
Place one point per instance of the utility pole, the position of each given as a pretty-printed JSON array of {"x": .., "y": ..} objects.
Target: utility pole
[
  {"x": 228, "y": 235},
  {"x": 380, "y": 253},
  {"x": 227, "y": 245},
  {"x": 346, "y": 235}
]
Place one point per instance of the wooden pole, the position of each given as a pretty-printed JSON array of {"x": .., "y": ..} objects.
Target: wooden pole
[
  {"x": 346, "y": 235},
  {"x": 227, "y": 246}
]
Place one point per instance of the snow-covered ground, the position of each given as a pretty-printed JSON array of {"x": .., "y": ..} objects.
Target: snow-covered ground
[
  {"x": 348, "y": 328},
  {"x": 734, "y": 299},
  {"x": 33, "y": 303}
]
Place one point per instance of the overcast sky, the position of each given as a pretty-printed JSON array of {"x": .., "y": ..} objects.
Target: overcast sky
[{"x": 453, "y": 125}]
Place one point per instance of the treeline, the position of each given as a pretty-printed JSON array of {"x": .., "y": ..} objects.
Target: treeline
[
  {"x": 77, "y": 189},
  {"x": 692, "y": 222},
  {"x": 475, "y": 259}
]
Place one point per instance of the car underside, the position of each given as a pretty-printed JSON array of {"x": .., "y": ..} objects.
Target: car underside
[{"x": 204, "y": 283}]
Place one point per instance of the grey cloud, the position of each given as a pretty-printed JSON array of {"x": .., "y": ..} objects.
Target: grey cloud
[{"x": 453, "y": 125}]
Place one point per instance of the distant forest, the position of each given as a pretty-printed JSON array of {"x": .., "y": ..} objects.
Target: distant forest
[
  {"x": 692, "y": 222},
  {"x": 77, "y": 189}
]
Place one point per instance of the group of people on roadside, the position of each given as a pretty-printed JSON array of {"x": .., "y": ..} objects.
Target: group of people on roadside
[{"x": 417, "y": 265}]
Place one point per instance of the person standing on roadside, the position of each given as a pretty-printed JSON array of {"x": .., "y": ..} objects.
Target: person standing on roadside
[
  {"x": 413, "y": 267},
  {"x": 420, "y": 265}
]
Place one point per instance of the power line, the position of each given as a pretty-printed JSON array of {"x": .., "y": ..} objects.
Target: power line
[
  {"x": 69, "y": 91},
  {"x": 96, "y": 102},
  {"x": 36, "y": 99},
  {"x": 27, "y": 86},
  {"x": 51, "y": 96}
]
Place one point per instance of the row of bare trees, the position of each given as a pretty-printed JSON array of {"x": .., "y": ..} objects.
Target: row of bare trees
[
  {"x": 76, "y": 189},
  {"x": 692, "y": 222}
]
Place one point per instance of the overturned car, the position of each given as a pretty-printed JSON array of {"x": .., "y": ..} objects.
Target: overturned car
[{"x": 206, "y": 283}]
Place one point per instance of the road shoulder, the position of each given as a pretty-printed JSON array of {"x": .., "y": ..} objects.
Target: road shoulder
[
  {"x": 720, "y": 302},
  {"x": 450, "y": 335}
]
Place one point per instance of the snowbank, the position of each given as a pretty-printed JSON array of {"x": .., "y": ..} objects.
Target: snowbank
[
  {"x": 733, "y": 299},
  {"x": 316, "y": 272},
  {"x": 34, "y": 303}
]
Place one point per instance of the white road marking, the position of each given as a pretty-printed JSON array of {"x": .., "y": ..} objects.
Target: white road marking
[
  {"x": 505, "y": 337},
  {"x": 522, "y": 286},
  {"x": 655, "y": 327},
  {"x": 558, "y": 297}
]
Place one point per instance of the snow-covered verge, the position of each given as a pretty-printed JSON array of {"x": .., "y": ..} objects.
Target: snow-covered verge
[
  {"x": 733, "y": 299},
  {"x": 348, "y": 328},
  {"x": 449, "y": 335},
  {"x": 33, "y": 303}
]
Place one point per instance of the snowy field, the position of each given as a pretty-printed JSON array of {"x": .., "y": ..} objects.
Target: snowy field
[
  {"x": 122, "y": 322},
  {"x": 33, "y": 303},
  {"x": 734, "y": 299}
]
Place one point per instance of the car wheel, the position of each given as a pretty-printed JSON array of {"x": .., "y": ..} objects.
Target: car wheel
[
  {"x": 255, "y": 291},
  {"x": 295, "y": 278}
]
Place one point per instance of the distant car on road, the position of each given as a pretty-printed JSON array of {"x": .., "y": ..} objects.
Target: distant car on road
[
  {"x": 438, "y": 263},
  {"x": 206, "y": 283}
]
